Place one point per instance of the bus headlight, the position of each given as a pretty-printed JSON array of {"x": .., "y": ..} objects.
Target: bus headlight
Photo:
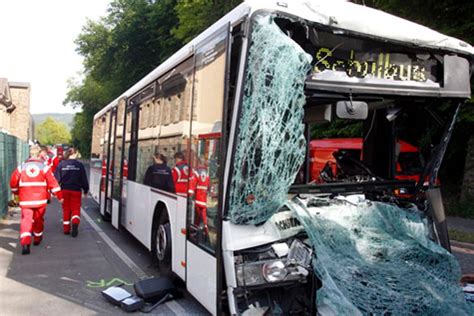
[
  {"x": 249, "y": 274},
  {"x": 265, "y": 267},
  {"x": 274, "y": 271}
]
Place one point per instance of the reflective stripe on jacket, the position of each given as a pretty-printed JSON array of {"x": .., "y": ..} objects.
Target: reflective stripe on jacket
[{"x": 31, "y": 182}]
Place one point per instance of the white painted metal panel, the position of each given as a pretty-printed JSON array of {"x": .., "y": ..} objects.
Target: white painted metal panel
[
  {"x": 115, "y": 214},
  {"x": 280, "y": 226},
  {"x": 179, "y": 238},
  {"x": 123, "y": 219},
  {"x": 102, "y": 204},
  {"x": 137, "y": 217},
  {"x": 201, "y": 277},
  {"x": 94, "y": 184},
  {"x": 139, "y": 212}
]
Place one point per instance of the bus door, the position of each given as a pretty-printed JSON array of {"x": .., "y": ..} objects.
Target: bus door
[
  {"x": 118, "y": 164},
  {"x": 110, "y": 165},
  {"x": 129, "y": 155},
  {"x": 104, "y": 170},
  {"x": 203, "y": 207}
]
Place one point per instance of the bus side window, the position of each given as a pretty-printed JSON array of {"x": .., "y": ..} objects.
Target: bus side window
[{"x": 206, "y": 128}]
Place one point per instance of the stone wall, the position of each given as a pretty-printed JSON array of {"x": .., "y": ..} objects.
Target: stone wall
[
  {"x": 6, "y": 105},
  {"x": 21, "y": 120}
]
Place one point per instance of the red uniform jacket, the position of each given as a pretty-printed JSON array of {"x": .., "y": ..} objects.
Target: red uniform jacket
[
  {"x": 202, "y": 185},
  {"x": 182, "y": 174},
  {"x": 53, "y": 161},
  {"x": 31, "y": 181}
]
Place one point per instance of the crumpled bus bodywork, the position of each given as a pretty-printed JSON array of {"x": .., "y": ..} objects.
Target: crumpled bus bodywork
[{"x": 349, "y": 253}]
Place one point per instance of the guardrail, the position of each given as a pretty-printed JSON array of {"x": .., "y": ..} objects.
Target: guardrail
[{"x": 12, "y": 152}]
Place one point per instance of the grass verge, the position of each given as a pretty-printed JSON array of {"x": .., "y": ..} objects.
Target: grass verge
[{"x": 461, "y": 236}]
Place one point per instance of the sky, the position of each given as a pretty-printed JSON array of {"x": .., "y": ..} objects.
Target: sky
[{"x": 37, "y": 46}]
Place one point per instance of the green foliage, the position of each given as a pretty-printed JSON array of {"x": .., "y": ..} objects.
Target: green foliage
[
  {"x": 451, "y": 17},
  {"x": 129, "y": 42},
  {"x": 337, "y": 129},
  {"x": 81, "y": 133},
  {"x": 459, "y": 207},
  {"x": 119, "y": 50},
  {"x": 461, "y": 236},
  {"x": 52, "y": 132},
  {"x": 196, "y": 15}
]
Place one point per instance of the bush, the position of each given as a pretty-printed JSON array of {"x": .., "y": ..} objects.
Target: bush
[{"x": 459, "y": 207}]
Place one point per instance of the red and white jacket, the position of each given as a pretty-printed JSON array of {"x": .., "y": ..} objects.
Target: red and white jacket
[
  {"x": 53, "y": 161},
  {"x": 182, "y": 174},
  {"x": 202, "y": 185},
  {"x": 31, "y": 182}
]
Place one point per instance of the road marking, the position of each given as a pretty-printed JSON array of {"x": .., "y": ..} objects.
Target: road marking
[
  {"x": 69, "y": 279},
  {"x": 176, "y": 308},
  {"x": 122, "y": 255},
  {"x": 466, "y": 251},
  {"x": 104, "y": 283}
]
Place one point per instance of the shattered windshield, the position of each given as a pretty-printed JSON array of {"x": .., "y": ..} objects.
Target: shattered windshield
[
  {"x": 271, "y": 145},
  {"x": 373, "y": 253},
  {"x": 288, "y": 103}
]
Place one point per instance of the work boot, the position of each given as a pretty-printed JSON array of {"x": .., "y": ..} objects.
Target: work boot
[
  {"x": 37, "y": 242},
  {"x": 75, "y": 230},
  {"x": 66, "y": 233},
  {"x": 25, "y": 250}
]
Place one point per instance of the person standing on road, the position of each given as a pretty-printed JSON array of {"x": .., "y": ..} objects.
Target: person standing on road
[
  {"x": 158, "y": 175},
  {"x": 72, "y": 177},
  {"x": 50, "y": 158},
  {"x": 31, "y": 182}
]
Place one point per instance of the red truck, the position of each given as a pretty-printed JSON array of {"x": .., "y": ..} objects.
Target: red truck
[{"x": 409, "y": 164}]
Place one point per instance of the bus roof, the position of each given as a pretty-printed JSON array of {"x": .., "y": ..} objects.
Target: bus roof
[
  {"x": 353, "y": 143},
  {"x": 338, "y": 14}
]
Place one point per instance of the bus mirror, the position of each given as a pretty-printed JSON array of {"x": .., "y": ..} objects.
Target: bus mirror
[
  {"x": 352, "y": 110},
  {"x": 456, "y": 77}
]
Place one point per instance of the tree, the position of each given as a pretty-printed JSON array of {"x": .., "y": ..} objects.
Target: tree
[
  {"x": 118, "y": 50},
  {"x": 196, "y": 15},
  {"x": 80, "y": 133},
  {"x": 52, "y": 132}
]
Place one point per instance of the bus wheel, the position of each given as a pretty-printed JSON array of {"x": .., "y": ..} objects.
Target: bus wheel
[{"x": 162, "y": 245}]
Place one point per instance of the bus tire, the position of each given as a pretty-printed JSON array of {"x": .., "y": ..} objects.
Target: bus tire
[{"x": 161, "y": 244}]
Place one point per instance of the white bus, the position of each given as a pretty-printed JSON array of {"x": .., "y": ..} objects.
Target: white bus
[{"x": 240, "y": 99}]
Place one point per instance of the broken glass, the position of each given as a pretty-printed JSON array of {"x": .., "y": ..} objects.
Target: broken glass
[
  {"x": 271, "y": 145},
  {"x": 377, "y": 259}
]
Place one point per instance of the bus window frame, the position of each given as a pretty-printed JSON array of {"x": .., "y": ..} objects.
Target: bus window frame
[
  {"x": 222, "y": 146},
  {"x": 133, "y": 148},
  {"x": 111, "y": 113}
]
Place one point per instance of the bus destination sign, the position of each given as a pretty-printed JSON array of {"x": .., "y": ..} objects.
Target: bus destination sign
[{"x": 343, "y": 57}]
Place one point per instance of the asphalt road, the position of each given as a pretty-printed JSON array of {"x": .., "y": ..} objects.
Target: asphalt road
[
  {"x": 464, "y": 252},
  {"x": 65, "y": 275}
]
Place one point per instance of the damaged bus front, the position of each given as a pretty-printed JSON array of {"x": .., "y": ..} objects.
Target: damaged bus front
[{"x": 350, "y": 245}]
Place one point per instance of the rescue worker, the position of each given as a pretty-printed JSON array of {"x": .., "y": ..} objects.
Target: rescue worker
[
  {"x": 201, "y": 189},
  {"x": 31, "y": 182},
  {"x": 158, "y": 175},
  {"x": 50, "y": 157},
  {"x": 182, "y": 175},
  {"x": 72, "y": 177}
]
